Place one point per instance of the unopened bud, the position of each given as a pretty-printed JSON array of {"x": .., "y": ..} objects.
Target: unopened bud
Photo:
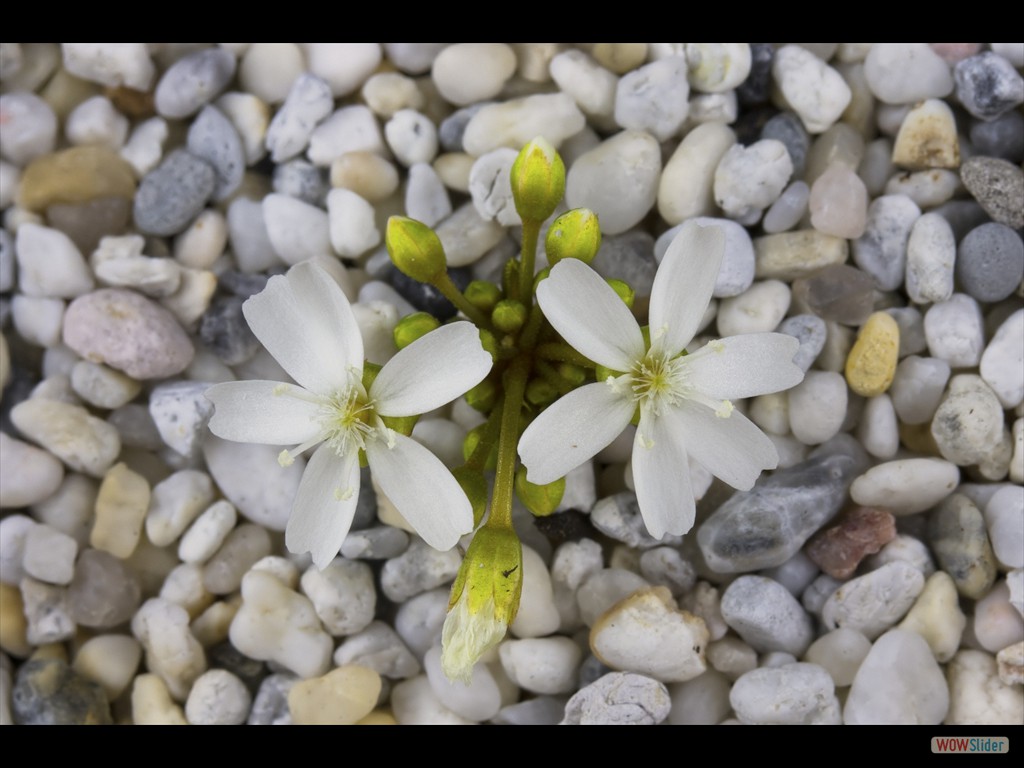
[
  {"x": 575, "y": 234},
  {"x": 538, "y": 180},
  {"x": 415, "y": 249}
]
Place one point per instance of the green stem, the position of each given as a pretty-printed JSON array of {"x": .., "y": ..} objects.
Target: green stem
[
  {"x": 563, "y": 353},
  {"x": 528, "y": 337},
  {"x": 508, "y": 438},
  {"x": 478, "y": 459},
  {"x": 531, "y": 233},
  {"x": 444, "y": 284}
]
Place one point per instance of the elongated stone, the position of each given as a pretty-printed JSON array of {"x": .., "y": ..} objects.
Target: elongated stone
[{"x": 959, "y": 539}]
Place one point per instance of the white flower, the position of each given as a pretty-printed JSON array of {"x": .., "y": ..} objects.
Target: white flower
[
  {"x": 306, "y": 323},
  {"x": 684, "y": 400}
]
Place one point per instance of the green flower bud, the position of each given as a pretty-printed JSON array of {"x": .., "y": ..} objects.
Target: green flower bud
[
  {"x": 541, "y": 500},
  {"x": 540, "y": 392},
  {"x": 413, "y": 327},
  {"x": 415, "y": 249},
  {"x": 474, "y": 485},
  {"x": 484, "y": 600},
  {"x": 483, "y": 396},
  {"x": 575, "y": 234},
  {"x": 509, "y": 315},
  {"x": 574, "y": 374},
  {"x": 489, "y": 343},
  {"x": 538, "y": 180},
  {"x": 472, "y": 440},
  {"x": 482, "y": 294},
  {"x": 626, "y": 293}
]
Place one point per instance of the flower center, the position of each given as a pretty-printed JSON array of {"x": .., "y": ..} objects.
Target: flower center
[
  {"x": 347, "y": 418},
  {"x": 657, "y": 380}
]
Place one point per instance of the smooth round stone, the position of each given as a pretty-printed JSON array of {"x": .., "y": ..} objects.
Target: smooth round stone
[
  {"x": 931, "y": 253},
  {"x": 997, "y": 185},
  {"x": 245, "y": 546},
  {"x": 937, "y": 617},
  {"x": 840, "y": 652},
  {"x": 592, "y": 86},
  {"x": 343, "y": 696},
  {"x": 121, "y": 506},
  {"x": 987, "y": 85},
  {"x": 387, "y": 92},
  {"x": 874, "y": 602},
  {"x": 546, "y": 665},
  {"x": 247, "y": 234},
  {"x": 75, "y": 175},
  {"x": 344, "y": 66},
  {"x": 791, "y": 694},
  {"x": 49, "y": 264},
  {"x": 617, "y": 180},
  {"x": 749, "y": 179},
  {"x": 297, "y": 230},
  {"x": 786, "y": 212},
  {"x": 27, "y": 474},
  {"x": 1002, "y": 137},
  {"x": 904, "y": 73},
  {"x": 654, "y": 98},
  {"x": 882, "y": 250},
  {"x": 152, "y": 703},
  {"x": 465, "y": 73},
  {"x": 192, "y": 81},
  {"x": 1017, "y": 461},
  {"x": 269, "y": 69},
  {"x": 977, "y": 695},
  {"x": 49, "y": 555},
  {"x": 917, "y": 388},
  {"x": 766, "y": 615},
  {"x": 102, "y": 386},
  {"x": 49, "y": 692},
  {"x": 378, "y": 647},
  {"x": 367, "y": 174},
  {"x": 343, "y": 595},
  {"x": 110, "y": 64},
  {"x": 619, "y": 698},
  {"x": 538, "y": 616},
  {"x": 1004, "y": 515},
  {"x": 30, "y": 127},
  {"x": 968, "y": 426},
  {"x": 997, "y": 624},
  {"x": 871, "y": 364},
  {"x": 38, "y": 321},
  {"x": 478, "y": 701},
  {"x": 759, "y": 309},
  {"x": 959, "y": 539},
  {"x": 109, "y": 660},
  {"x": 206, "y": 534},
  {"x": 918, "y": 695},
  {"x": 686, "y": 186},
  {"x": 145, "y": 145},
  {"x": 990, "y": 262},
  {"x": 732, "y": 657},
  {"x": 349, "y": 129},
  {"x": 815, "y": 91},
  {"x": 801, "y": 253},
  {"x": 906, "y": 486},
  {"x": 351, "y": 225},
  {"x": 838, "y": 202},
  {"x": 308, "y": 102},
  {"x": 491, "y": 189},
  {"x": 1002, "y": 362},
  {"x": 817, "y": 406},
  {"x": 69, "y": 432},
  {"x": 513, "y": 123},
  {"x": 426, "y": 198},
  {"x": 419, "y": 620},
  {"x": 879, "y": 428},
  {"x": 927, "y": 138},
  {"x": 213, "y": 138},
  {"x": 955, "y": 331},
  {"x": 412, "y": 137},
  {"x": 415, "y": 703},
  {"x": 173, "y": 194},
  {"x": 96, "y": 121},
  {"x": 218, "y": 698}
]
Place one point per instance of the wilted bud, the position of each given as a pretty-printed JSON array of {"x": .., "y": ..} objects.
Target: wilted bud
[
  {"x": 415, "y": 249},
  {"x": 484, "y": 600},
  {"x": 575, "y": 234},
  {"x": 541, "y": 500},
  {"x": 538, "y": 180},
  {"x": 413, "y": 327}
]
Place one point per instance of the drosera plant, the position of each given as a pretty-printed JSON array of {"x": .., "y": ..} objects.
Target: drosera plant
[{"x": 556, "y": 362}]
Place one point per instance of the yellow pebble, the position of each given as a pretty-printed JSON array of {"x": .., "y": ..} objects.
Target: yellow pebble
[
  {"x": 871, "y": 363},
  {"x": 13, "y": 628},
  {"x": 343, "y": 696},
  {"x": 379, "y": 717}
]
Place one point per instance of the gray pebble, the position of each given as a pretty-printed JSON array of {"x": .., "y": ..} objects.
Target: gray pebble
[
  {"x": 418, "y": 569},
  {"x": 990, "y": 262},
  {"x": 378, "y": 647},
  {"x": 302, "y": 180},
  {"x": 270, "y": 705},
  {"x": 619, "y": 516},
  {"x": 654, "y": 98},
  {"x": 882, "y": 250},
  {"x": 628, "y": 257},
  {"x": 6, "y": 261},
  {"x": 987, "y": 85},
  {"x": 912, "y": 336},
  {"x": 192, "y": 81},
  {"x": 214, "y": 138},
  {"x": 136, "y": 427},
  {"x": 366, "y": 507},
  {"x": 619, "y": 698},
  {"x": 1002, "y": 137},
  {"x": 665, "y": 566},
  {"x": 226, "y": 333},
  {"x": 379, "y": 543},
  {"x": 810, "y": 331},
  {"x": 765, "y": 526},
  {"x": 104, "y": 592},
  {"x": 49, "y": 692},
  {"x": 249, "y": 671},
  {"x": 309, "y": 101},
  {"x": 998, "y": 186},
  {"x": 173, "y": 194},
  {"x": 968, "y": 425},
  {"x": 789, "y": 129},
  {"x": 47, "y": 611},
  {"x": 959, "y": 540},
  {"x": 454, "y": 126},
  {"x": 241, "y": 283},
  {"x": 767, "y": 616}
]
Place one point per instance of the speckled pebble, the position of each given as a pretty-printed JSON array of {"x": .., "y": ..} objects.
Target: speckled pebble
[
  {"x": 990, "y": 262},
  {"x": 49, "y": 692},
  {"x": 998, "y": 186},
  {"x": 959, "y": 539},
  {"x": 174, "y": 193},
  {"x": 82, "y": 441},
  {"x": 213, "y": 138},
  {"x": 988, "y": 85}
]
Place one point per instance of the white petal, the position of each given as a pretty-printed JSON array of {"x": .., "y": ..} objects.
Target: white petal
[
  {"x": 306, "y": 323},
  {"x": 431, "y": 371},
  {"x": 572, "y": 429},
  {"x": 661, "y": 476},
  {"x": 732, "y": 448},
  {"x": 683, "y": 285},
  {"x": 422, "y": 489},
  {"x": 263, "y": 412},
  {"x": 324, "y": 505},
  {"x": 590, "y": 315},
  {"x": 744, "y": 366}
]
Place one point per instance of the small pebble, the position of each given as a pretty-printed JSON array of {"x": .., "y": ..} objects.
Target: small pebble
[
  {"x": 172, "y": 651},
  {"x": 341, "y": 697},
  {"x": 841, "y": 653},
  {"x": 27, "y": 474},
  {"x": 70, "y": 433},
  {"x": 49, "y": 692},
  {"x": 213, "y": 138},
  {"x": 990, "y": 262},
  {"x": 955, "y": 331},
  {"x": 937, "y": 617},
  {"x": 968, "y": 426},
  {"x": 96, "y": 121},
  {"x": 749, "y": 179},
  {"x": 110, "y": 64},
  {"x": 987, "y": 85},
  {"x": 592, "y": 86},
  {"x": 882, "y": 250},
  {"x": 1001, "y": 363},
  {"x": 686, "y": 187},
  {"x": 192, "y": 81},
  {"x": 654, "y": 98},
  {"x": 343, "y": 595},
  {"x": 959, "y": 540},
  {"x": 49, "y": 264},
  {"x": 513, "y": 123},
  {"x": 174, "y": 193},
  {"x": 296, "y": 230},
  {"x": 121, "y": 507},
  {"x": 931, "y": 253},
  {"x": 861, "y": 531},
  {"x": 218, "y": 698},
  {"x": 465, "y": 73},
  {"x": 802, "y": 253},
  {"x": 976, "y": 694},
  {"x": 815, "y": 91},
  {"x": 927, "y": 138},
  {"x": 378, "y": 647},
  {"x": 997, "y": 185},
  {"x": 619, "y": 698},
  {"x": 791, "y": 694},
  {"x": 905, "y": 73}
]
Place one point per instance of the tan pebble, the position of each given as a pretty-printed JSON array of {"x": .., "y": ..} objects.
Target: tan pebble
[
  {"x": 341, "y": 697},
  {"x": 453, "y": 169},
  {"x": 620, "y": 58},
  {"x": 121, "y": 507},
  {"x": 13, "y": 627},
  {"x": 791, "y": 255},
  {"x": 927, "y": 138},
  {"x": 64, "y": 92},
  {"x": 75, "y": 175},
  {"x": 50, "y": 651},
  {"x": 152, "y": 704},
  {"x": 110, "y": 660},
  {"x": 1011, "y": 664},
  {"x": 135, "y": 104},
  {"x": 937, "y": 617},
  {"x": 871, "y": 364},
  {"x": 213, "y": 625},
  {"x": 367, "y": 174},
  {"x": 379, "y": 717}
]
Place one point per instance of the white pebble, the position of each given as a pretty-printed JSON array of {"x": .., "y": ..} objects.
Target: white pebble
[
  {"x": 14, "y": 529},
  {"x": 110, "y": 64},
  {"x": 478, "y": 701},
  {"x": 654, "y": 98},
  {"x": 976, "y": 694},
  {"x": 766, "y": 615},
  {"x": 297, "y": 230},
  {"x": 49, "y": 555},
  {"x": 218, "y": 698},
  {"x": 110, "y": 660},
  {"x": 788, "y": 209},
  {"x": 737, "y": 272},
  {"x": 997, "y": 624},
  {"x": 591, "y": 85},
  {"x": 38, "y": 320},
  {"x": 687, "y": 181},
  {"x": 879, "y": 430},
  {"x": 414, "y": 703},
  {"x": 247, "y": 233},
  {"x": 351, "y": 223},
  {"x": 27, "y": 474},
  {"x": 343, "y": 595},
  {"x": 144, "y": 148},
  {"x": 906, "y": 486},
  {"x": 759, "y": 309},
  {"x": 96, "y": 121},
  {"x": 465, "y": 73},
  {"x": 789, "y": 694},
  {"x": 268, "y": 70},
  {"x": 874, "y": 602},
  {"x": 537, "y": 615},
  {"x": 378, "y": 647},
  {"x": 250, "y": 115},
  {"x": 1002, "y": 362},
  {"x": 817, "y": 406},
  {"x": 49, "y": 264},
  {"x": 513, "y": 123},
  {"x": 309, "y": 101},
  {"x": 904, "y": 73},
  {"x": 426, "y": 198},
  {"x": 931, "y": 251},
  {"x": 172, "y": 651},
  {"x": 349, "y": 129},
  {"x": 207, "y": 532},
  {"x": 917, "y": 388},
  {"x": 602, "y": 589},
  {"x": 344, "y": 66},
  {"x": 749, "y": 179},
  {"x": 815, "y": 91},
  {"x": 717, "y": 67},
  {"x": 412, "y": 137},
  {"x": 203, "y": 241},
  {"x": 30, "y": 127},
  {"x": 547, "y": 665},
  {"x": 955, "y": 331},
  {"x": 175, "y": 503},
  {"x": 70, "y": 433},
  {"x": 841, "y": 653},
  {"x": 102, "y": 386},
  {"x": 491, "y": 189}
]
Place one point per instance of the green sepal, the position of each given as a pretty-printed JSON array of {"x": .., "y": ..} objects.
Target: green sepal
[
  {"x": 541, "y": 500},
  {"x": 474, "y": 485},
  {"x": 414, "y": 327}
]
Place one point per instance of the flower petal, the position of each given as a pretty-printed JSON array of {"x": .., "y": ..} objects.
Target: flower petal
[
  {"x": 661, "y": 475},
  {"x": 683, "y": 285},
  {"x": 590, "y": 316},
  {"x": 263, "y": 412},
  {"x": 324, "y": 505},
  {"x": 431, "y": 371},
  {"x": 306, "y": 323},
  {"x": 744, "y": 366},
  {"x": 422, "y": 489},
  {"x": 731, "y": 448},
  {"x": 572, "y": 429}
]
